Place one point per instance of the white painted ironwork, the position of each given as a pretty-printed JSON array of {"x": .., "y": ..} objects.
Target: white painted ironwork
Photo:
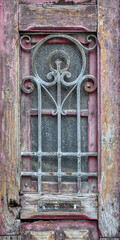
[{"x": 58, "y": 77}]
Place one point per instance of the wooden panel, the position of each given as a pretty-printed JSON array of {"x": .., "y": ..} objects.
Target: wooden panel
[
  {"x": 86, "y": 2},
  {"x": 59, "y": 230},
  {"x": 36, "y": 17},
  {"x": 108, "y": 16},
  {"x": 88, "y": 206},
  {"x": 9, "y": 117},
  {"x": 109, "y": 238},
  {"x": 10, "y": 238},
  {"x": 77, "y": 234}
]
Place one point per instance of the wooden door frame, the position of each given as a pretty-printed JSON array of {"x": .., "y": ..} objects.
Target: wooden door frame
[{"x": 104, "y": 20}]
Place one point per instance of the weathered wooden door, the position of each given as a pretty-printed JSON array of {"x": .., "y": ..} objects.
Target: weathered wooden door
[{"x": 59, "y": 149}]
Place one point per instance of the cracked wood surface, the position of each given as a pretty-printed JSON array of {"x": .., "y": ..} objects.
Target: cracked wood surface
[
  {"x": 9, "y": 118},
  {"x": 86, "y": 2},
  {"x": 10, "y": 238},
  {"x": 9, "y": 103},
  {"x": 36, "y": 17},
  {"x": 108, "y": 16},
  {"x": 88, "y": 206},
  {"x": 58, "y": 230}
]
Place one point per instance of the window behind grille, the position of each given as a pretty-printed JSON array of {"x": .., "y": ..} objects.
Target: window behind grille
[{"x": 52, "y": 170}]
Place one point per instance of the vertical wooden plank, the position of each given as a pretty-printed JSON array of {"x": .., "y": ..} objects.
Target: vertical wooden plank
[
  {"x": 108, "y": 16},
  {"x": 9, "y": 117},
  {"x": 92, "y": 122}
]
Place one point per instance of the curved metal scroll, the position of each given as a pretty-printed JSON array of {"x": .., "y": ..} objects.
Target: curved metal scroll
[
  {"x": 63, "y": 74},
  {"x": 64, "y": 71},
  {"x": 59, "y": 76}
]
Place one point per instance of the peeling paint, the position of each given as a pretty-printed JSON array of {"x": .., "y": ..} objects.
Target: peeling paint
[{"x": 108, "y": 187}]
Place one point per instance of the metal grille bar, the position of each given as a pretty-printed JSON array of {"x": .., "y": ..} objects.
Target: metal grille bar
[
  {"x": 65, "y": 154},
  {"x": 57, "y": 174},
  {"x": 58, "y": 76}
]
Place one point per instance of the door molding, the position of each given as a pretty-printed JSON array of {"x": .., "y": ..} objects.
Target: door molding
[{"x": 108, "y": 74}]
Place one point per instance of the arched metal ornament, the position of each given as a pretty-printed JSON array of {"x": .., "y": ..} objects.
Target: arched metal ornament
[
  {"x": 57, "y": 76},
  {"x": 63, "y": 72}
]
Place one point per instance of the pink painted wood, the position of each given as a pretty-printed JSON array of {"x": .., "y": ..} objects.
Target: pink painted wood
[
  {"x": 74, "y": 229},
  {"x": 109, "y": 197},
  {"x": 108, "y": 15},
  {"x": 9, "y": 118},
  {"x": 56, "y": 18},
  {"x": 50, "y": 2},
  {"x": 92, "y": 122}
]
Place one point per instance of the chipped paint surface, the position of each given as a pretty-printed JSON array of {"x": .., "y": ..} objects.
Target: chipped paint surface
[
  {"x": 108, "y": 15},
  {"x": 88, "y": 206},
  {"x": 86, "y": 2},
  {"x": 9, "y": 112},
  {"x": 42, "y": 17},
  {"x": 36, "y": 17},
  {"x": 58, "y": 230},
  {"x": 10, "y": 238}
]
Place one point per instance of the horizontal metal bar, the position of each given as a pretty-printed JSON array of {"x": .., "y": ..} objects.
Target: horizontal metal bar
[
  {"x": 69, "y": 154},
  {"x": 59, "y": 174},
  {"x": 48, "y": 112},
  {"x": 92, "y": 154},
  {"x": 29, "y": 173},
  {"x": 69, "y": 174}
]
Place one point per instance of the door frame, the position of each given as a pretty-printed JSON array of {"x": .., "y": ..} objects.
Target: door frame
[{"x": 104, "y": 20}]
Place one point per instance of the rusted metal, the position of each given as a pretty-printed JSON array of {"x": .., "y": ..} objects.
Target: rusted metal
[{"x": 65, "y": 206}]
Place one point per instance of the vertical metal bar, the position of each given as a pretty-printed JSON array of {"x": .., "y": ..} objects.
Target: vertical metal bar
[
  {"x": 78, "y": 138},
  {"x": 39, "y": 138},
  {"x": 25, "y": 118},
  {"x": 59, "y": 129}
]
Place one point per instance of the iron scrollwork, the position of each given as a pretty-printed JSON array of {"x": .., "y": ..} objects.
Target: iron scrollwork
[{"x": 58, "y": 74}]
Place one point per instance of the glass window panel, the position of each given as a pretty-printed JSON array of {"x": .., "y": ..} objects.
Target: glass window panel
[
  {"x": 34, "y": 164},
  {"x": 49, "y": 134},
  {"x": 84, "y": 134},
  {"x": 69, "y": 134},
  {"x": 49, "y": 164},
  {"x": 69, "y": 164},
  {"x": 34, "y": 133}
]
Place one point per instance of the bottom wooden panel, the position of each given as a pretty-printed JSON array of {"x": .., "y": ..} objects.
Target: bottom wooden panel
[
  {"x": 60, "y": 230},
  {"x": 10, "y": 238},
  {"x": 109, "y": 238}
]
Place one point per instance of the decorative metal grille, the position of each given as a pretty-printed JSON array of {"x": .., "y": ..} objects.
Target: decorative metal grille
[{"x": 58, "y": 76}]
